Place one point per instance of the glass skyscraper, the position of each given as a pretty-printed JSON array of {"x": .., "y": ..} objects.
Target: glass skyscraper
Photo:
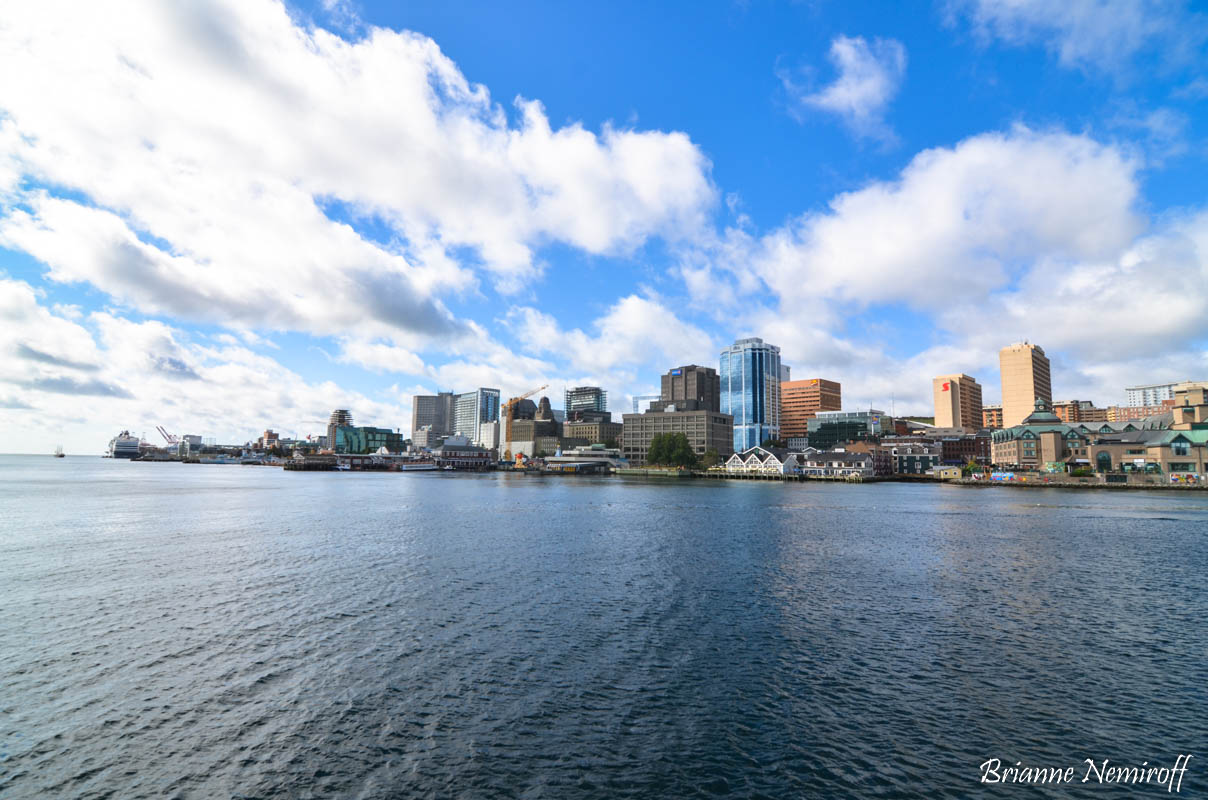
[
  {"x": 750, "y": 374},
  {"x": 585, "y": 398}
]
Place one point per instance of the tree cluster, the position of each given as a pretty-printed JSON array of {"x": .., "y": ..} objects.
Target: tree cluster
[{"x": 671, "y": 450}]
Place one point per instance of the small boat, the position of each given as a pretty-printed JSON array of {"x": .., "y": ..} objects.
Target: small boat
[
  {"x": 343, "y": 467},
  {"x": 59, "y": 451}
]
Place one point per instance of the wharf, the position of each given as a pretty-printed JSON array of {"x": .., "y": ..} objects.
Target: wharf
[
  {"x": 311, "y": 464},
  {"x": 738, "y": 476}
]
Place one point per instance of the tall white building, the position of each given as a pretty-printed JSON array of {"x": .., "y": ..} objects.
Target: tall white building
[
  {"x": 1150, "y": 395},
  {"x": 472, "y": 409}
]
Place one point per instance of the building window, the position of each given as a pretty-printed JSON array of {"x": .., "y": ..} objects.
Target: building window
[{"x": 1180, "y": 448}]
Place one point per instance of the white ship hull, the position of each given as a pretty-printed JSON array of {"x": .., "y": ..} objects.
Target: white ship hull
[{"x": 123, "y": 446}]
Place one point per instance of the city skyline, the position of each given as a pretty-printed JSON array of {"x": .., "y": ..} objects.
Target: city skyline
[{"x": 300, "y": 207}]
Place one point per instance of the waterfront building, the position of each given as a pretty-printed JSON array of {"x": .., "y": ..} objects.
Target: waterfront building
[
  {"x": 992, "y": 416},
  {"x": 801, "y": 401},
  {"x": 958, "y": 402},
  {"x": 692, "y": 387},
  {"x": 458, "y": 452},
  {"x": 1026, "y": 378},
  {"x": 473, "y": 409},
  {"x": 1173, "y": 446},
  {"x": 881, "y": 455},
  {"x": 594, "y": 454},
  {"x": 829, "y": 428},
  {"x": 585, "y": 398},
  {"x": 916, "y": 458},
  {"x": 541, "y": 447},
  {"x": 961, "y": 450},
  {"x": 1041, "y": 439},
  {"x": 642, "y": 401},
  {"x": 706, "y": 430},
  {"x": 763, "y": 461},
  {"x": 750, "y": 376},
  {"x": 435, "y": 411},
  {"x": 839, "y": 464},
  {"x": 365, "y": 439}
]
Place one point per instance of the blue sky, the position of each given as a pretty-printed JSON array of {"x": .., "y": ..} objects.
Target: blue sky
[{"x": 221, "y": 216}]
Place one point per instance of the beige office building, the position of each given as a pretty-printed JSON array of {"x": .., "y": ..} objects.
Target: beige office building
[
  {"x": 958, "y": 402},
  {"x": 1025, "y": 377}
]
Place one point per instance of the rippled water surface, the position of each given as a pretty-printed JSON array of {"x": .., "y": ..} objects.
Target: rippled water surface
[{"x": 223, "y": 631}]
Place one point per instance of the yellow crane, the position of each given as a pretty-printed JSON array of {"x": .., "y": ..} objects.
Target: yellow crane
[{"x": 508, "y": 410}]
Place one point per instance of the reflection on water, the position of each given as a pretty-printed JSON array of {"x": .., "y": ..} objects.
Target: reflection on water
[{"x": 236, "y": 631}]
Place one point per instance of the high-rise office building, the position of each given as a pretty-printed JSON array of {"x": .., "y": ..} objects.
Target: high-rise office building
[
  {"x": 692, "y": 388},
  {"x": 585, "y": 398},
  {"x": 958, "y": 402},
  {"x": 750, "y": 390},
  {"x": 1025, "y": 378},
  {"x": 435, "y": 411},
  {"x": 801, "y": 400},
  {"x": 472, "y": 409}
]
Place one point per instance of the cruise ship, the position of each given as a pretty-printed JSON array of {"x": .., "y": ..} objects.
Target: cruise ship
[{"x": 123, "y": 446}]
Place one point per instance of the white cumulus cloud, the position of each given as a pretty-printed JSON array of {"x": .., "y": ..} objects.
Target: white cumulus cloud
[
  {"x": 196, "y": 159},
  {"x": 869, "y": 75},
  {"x": 1104, "y": 35}
]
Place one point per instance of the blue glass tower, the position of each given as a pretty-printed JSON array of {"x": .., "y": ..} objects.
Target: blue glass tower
[{"x": 750, "y": 373}]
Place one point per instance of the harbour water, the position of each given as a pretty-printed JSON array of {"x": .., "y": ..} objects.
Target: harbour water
[{"x": 171, "y": 630}]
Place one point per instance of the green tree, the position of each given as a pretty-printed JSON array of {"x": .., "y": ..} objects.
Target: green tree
[
  {"x": 710, "y": 459},
  {"x": 682, "y": 454},
  {"x": 766, "y": 443},
  {"x": 657, "y": 452},
  {"x": 611, "y": 444},
  {"x": 671, "y": 450}
]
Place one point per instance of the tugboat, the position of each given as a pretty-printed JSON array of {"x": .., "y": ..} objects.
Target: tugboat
[{"x": 59, "y": 451}]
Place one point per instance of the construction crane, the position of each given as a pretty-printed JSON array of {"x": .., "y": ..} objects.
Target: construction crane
[
  {"x": 170, "y": 438},
  {"x": 508, "y": 411}
]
